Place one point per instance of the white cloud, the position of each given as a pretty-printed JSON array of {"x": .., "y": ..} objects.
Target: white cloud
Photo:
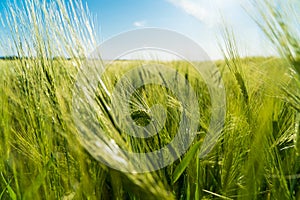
[
  {"x": 208, "y": 12},
  {"x": 215, "y": 14},
  {"x": 140, "y": 23},
  {"x": 193, "y": 8}
]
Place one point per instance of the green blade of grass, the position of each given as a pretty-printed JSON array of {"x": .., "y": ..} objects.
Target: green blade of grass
[
  {"x": 10, "y": 191},
  {"x": 185, "y": 161}
]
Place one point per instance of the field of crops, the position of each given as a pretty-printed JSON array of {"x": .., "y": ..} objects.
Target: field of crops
[{"x": 44, "y": 155}]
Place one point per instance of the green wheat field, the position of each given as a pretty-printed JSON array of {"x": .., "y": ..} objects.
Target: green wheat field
[{"x": 257, "y": 155}]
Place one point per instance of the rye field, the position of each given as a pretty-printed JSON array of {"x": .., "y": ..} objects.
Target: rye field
[{"x": 47, "y": 153}]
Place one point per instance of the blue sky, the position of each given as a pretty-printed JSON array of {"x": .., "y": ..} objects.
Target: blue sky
[{"x": 198, "y": 19}]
